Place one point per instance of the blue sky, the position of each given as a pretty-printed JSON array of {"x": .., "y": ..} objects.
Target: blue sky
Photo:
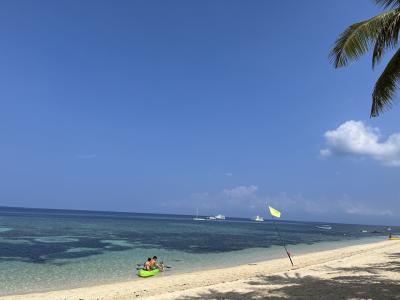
[{"x": 169, "y": 106}]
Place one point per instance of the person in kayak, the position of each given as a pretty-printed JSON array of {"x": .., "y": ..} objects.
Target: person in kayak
[
  {"x": 155, "y": 265},
  {"x": 147, "y": 265}
]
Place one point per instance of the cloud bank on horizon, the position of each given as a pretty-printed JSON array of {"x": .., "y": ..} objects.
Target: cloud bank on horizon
[
  {"x": 354, "y": 138},
  {"x": 252, "y": 200}
]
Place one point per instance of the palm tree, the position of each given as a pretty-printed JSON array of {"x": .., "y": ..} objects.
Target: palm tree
[{"x": 382, "y": 34}]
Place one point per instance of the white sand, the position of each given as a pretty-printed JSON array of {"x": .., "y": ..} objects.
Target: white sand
[{"x": 355, "y": 272}]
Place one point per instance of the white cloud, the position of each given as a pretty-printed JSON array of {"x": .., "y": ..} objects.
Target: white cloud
[
  {"x": 242, "y": 198},
  {"x": 356, "y": 139},
  {"x": 247, "y": 201},
  {"x": 297, "y": 203},
  {"x": 358, "y": 208},
  {"x": 229, "y": 174},
  {"x": 241, "y": 191}
]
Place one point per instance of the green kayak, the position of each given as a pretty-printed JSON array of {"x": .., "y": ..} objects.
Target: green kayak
[{"x": 144, "y": 273}]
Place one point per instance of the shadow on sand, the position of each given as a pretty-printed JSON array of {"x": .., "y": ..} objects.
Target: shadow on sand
[{"x": 363, "y": 283}]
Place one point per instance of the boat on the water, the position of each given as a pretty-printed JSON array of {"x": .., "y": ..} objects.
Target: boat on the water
[
  {"x": 197, "y": 218},
  {"x": 364, "y": 231},
  {"x": 258, "y": 218},
  {"x": 217, "y": 217},
  {"x": 326, "y": 227},
  {"x": 220, "y": 217}
]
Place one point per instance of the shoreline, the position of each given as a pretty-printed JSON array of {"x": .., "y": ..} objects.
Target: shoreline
[{"x": 175, "y": 283}]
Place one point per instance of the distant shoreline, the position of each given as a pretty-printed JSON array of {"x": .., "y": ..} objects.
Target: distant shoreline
[{"x": 205, "y": 279}]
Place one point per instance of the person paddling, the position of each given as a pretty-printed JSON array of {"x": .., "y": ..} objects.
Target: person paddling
[
  {"x": 155, "y": 265},
  {"x": 147, "y": 265}
]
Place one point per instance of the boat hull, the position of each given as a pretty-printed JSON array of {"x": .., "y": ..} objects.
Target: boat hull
[{"x": 145, "y": 273}]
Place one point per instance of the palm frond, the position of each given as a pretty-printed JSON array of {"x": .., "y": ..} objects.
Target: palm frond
[
  {"x": 386, "y": 86},
  {"x": 388, "y": 3},
  {"x": 387, "y": 38},
  {"x": 357, "y": 39}
]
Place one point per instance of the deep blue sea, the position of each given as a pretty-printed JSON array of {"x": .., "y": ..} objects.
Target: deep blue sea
[{"x": 43, "y": 249}]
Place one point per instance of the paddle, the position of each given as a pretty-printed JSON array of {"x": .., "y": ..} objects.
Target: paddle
[{"x": 140, "y": 266}]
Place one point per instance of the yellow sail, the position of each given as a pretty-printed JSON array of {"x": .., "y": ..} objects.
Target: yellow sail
[{"x": 274, "y": 212}]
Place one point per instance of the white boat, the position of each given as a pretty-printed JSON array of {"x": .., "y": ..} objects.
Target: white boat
[
  {"x": 197, "y": 217},
  {"x": 326, "y": 227},
  {"x": 258, "y": 218},
  {"x": 364, "y": 231},
  {"x": 217, "y": 217},
  {"x": 220, "y": 217}
]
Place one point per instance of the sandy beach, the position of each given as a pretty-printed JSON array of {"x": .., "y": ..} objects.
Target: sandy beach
[{"x": 354, "y": 272}]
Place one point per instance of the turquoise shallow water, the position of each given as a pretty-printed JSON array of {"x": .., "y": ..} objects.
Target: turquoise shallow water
[{"x": 46, "y": 249}]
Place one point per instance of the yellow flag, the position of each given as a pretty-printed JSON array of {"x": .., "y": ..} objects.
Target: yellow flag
[{"x": 274, "y": 212}]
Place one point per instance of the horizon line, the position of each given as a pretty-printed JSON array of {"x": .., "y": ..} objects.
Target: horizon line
[{"x": 174, "y": 214}]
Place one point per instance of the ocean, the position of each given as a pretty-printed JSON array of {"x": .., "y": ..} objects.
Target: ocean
[{"x": 43, "y": 249}]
